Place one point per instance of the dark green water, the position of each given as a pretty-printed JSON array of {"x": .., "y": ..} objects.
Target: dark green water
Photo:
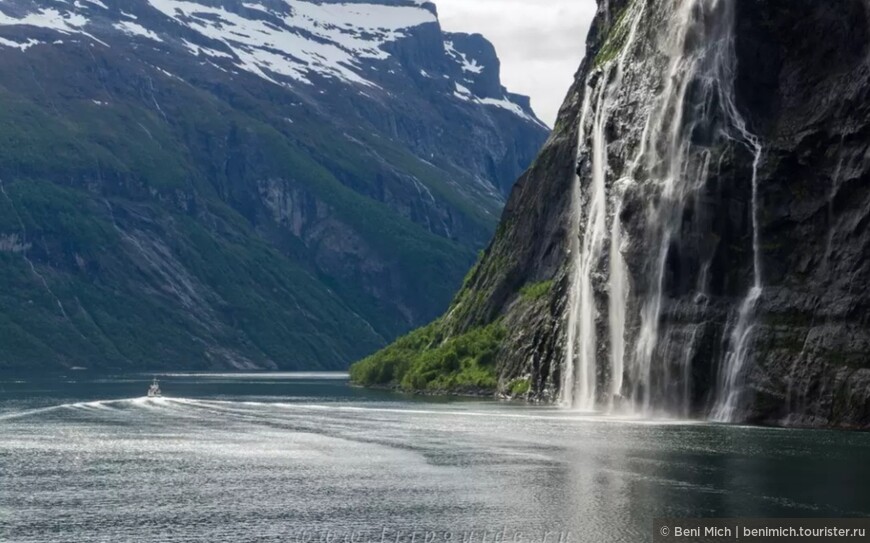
[{"x": 245, "y": 458}]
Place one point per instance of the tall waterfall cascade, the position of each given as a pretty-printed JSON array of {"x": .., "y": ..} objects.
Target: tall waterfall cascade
[{"x": 649, "y": 135}]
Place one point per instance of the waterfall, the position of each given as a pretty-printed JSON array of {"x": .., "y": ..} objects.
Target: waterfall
[
  {"x": 618, "y": 292},
  {"x": 730, "y": 384},
  {"x": 568, "y": 378},
  {"x": 682, "y": 88},
  {"x": 580, "y": 382},
  {"x": 29, "y": 262}
]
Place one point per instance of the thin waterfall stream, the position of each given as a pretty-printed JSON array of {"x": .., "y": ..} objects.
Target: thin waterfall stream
[{"x": 730, "y": 382}]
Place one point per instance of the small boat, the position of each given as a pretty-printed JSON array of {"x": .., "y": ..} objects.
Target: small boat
[{"x": 154, "y": 390}]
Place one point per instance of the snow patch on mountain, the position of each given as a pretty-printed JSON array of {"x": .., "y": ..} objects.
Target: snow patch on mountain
[
  {"x": 93, "y": 2},
  {"x": 464, "y": 93},
  {"x": 52, "y": 19},
  {"x": 327, "y": 39},
  {"x": 48, "y": 18},
  {"x": 23, "y": 46},
  {"x": 287, "y": 43},
  {"x": 467, "y": 65},
  {"x": 135, "y": 29}
]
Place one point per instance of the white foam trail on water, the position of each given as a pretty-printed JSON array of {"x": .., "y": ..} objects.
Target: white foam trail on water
[
  {"x": 99, "y": 404},
  {"x": 96, "y": 405},
  {"x": 31, "y": 412},
  {"x": 557, "y": 415},
  {"x": 256, "y": 413},
  {"x": 319, "y": 375},
  {"x": 93, "y": 406}
]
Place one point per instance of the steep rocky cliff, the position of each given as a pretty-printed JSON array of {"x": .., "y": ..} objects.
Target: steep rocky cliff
[
  {"x": 704, "y": 251},
  {"x": 217, "y": 183}
]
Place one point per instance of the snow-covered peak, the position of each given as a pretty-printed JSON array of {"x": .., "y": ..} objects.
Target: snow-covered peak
[
  {"x": 326, "y": 39},
  {"x": 296, "y": 43},
  {"x": 294, "y": 39}
]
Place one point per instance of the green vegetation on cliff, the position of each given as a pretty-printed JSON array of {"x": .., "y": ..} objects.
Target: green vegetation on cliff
[
  {"x": 536, "y": 291},
  {"x": 520, "y": 387},
  {"x": 428, "y": 360},
  {"x": 616, "y": 38}
]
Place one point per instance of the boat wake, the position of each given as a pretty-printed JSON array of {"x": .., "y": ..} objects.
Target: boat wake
[
  {"x": 98, "y": 405},
  {"x": 241, "y": 411}
]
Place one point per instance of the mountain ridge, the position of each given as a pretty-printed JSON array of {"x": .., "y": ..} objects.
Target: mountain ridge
[{"x": 182, "y": 148}]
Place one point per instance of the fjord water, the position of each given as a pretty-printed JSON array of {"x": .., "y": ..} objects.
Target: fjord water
[{"x": 285, "y": 457}]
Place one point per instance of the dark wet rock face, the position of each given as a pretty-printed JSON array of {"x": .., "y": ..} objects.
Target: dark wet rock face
[
  {"x": 814, "y": 112},
  {"x": 800, "y": 83}
]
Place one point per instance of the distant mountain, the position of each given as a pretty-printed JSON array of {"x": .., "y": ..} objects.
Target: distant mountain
[{"x": 258, "y": 184}]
